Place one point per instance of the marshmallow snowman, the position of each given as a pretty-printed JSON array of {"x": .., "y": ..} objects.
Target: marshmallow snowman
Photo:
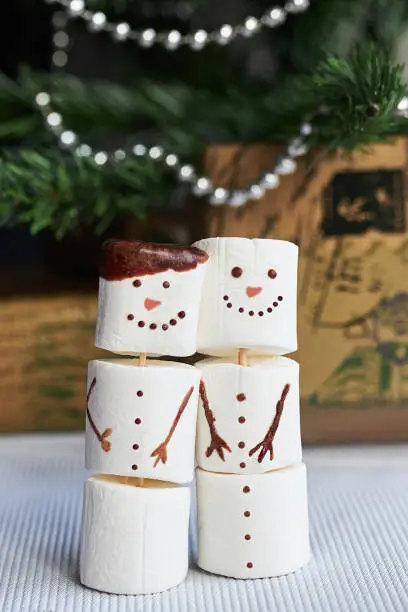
[
  {"x": 149, "y": 298},
  {"x": 251, "y": 482},
  {"x": 249, "y": 296},
  {"x": 134, "y": 539},
  {"x": 248, "y": 418},
  {"x": 141, "y": 421},
  {"x": 253, "y": 526}
]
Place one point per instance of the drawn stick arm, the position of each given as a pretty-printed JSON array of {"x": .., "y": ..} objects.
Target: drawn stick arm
[
  {"x": 161, "y": 451},
  {"x": 105, "y": 444},
  {"x": 267, "y": 443},
  {"x": 217, "y": 444}
]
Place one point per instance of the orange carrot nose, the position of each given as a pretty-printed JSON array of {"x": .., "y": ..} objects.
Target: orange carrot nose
[
  {"x": 150, "y": 304},
  {"x": 253, "y": 291}
]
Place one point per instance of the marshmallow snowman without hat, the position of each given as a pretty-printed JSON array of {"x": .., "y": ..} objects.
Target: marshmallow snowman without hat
[
  {"x": 249, "y": 297},
  {"x": 251, "y": 484},
  {"x": 149, "y": 297}
]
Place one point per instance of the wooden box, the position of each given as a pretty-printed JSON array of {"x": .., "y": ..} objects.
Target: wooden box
[
  {"x": 348, "y": 213},
  {"x": 46, "y": 343}
]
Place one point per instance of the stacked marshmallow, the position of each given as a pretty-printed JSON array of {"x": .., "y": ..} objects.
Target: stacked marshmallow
[
  {"x": 141, "y": 419},
  {"x": 251, "y": 482}
]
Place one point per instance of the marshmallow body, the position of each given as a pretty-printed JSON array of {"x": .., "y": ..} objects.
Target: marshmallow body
[
  {"x": 134, "y": 539},
  {"x": 256, "y": 412},
  {"x": 253, "y": 526},
  {"x": 141, "y": 421},
  {"x": 249, "y": 296},
  {"x": 149, "y": 298}
]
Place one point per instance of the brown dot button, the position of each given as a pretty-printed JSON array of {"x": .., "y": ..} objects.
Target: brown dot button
[
  {"x": 246, "y": 489},
  {"x": 241, "y": 419},
  {"x": 137, "y": 283},
  {"x": 141, "y": 324},
  {"x": 241, "y": 444},
  {"x": 134, "y": 467},
  {"x": 181, "y": 314},
  {"x": 138, "y": 421},
  {"x": 247, "y": 513},
  {"x": 241, "y": 397},
  {"x": 135, "y": 447},
  {"x": 247, "y": 536},
  {"x": 130, "y": 317},
  {"x": 250, "y": 565},
  {"x": 139, "y": 394},
  {"x": 242, "y": 465},
  {"x": 173, "y": 322}
]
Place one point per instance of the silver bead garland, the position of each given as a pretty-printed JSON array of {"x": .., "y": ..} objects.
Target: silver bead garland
[
  {"x": 186, "y": 173},
  {"x": 97, "y": 22}
]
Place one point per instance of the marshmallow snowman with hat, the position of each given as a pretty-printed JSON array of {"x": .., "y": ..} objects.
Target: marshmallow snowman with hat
[
  {"x": 251, "y": 482},
  {"x": 141, "y": 419}
]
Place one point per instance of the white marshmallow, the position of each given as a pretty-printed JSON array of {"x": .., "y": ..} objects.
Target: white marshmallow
[
  {"x": 253, "y": 526},
  {"x": 152, "y": 313},
  {"x": 134, "y": 539},
  {"x": 137, "y": 417},
  {"x": 249, "y": 296},
  {"x": 256, "y": 411}
]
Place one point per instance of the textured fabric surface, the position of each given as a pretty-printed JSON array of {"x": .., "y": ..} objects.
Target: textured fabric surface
[{"x": 359, "y": 536}]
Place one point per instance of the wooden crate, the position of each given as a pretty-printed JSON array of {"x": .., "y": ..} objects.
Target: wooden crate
[
  {"x": 46, "y": 343},
  {"x": 348, "y": 213}
]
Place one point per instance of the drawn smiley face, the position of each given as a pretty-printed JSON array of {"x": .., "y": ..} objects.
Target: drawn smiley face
[
  {"x": 149, "y": 297},
  {"x": 249, "y": 296},
  {"x": 158, "y": 304},
  {"x": 247, "y": 304}
]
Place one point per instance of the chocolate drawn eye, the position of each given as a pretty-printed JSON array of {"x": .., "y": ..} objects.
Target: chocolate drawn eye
[
  {"x": 137, "y": 283},
  {"x": 166, "y": 284},
  {"x": 272, "y": 273},
  {"x": 236, "y": 272}
]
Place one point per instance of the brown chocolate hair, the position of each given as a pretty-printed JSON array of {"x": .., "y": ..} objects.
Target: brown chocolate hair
[{"x": 127, "y": 258}]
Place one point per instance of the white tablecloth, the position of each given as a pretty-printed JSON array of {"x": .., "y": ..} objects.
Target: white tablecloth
[{"x": 359, "y": 536}]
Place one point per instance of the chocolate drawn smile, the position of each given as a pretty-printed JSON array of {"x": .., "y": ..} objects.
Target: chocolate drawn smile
[
  {"x": 153, "y": 326},
  {"x": 250, "y": 311}
]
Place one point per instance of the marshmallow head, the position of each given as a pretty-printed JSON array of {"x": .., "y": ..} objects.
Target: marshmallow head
[
  {"x": 141, "y": 421},
  {"x": 149, "y": 298},
  {"x": 249, "y": 296},
  {"x": 253, "y": 526},
  {"x": 134, "y": 539},
  {"x": 256, "y": 411}
]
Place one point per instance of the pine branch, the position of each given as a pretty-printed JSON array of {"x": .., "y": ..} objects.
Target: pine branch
[
  {"x": 48, "y": 189},
  {"x": 361, "y": 94}
]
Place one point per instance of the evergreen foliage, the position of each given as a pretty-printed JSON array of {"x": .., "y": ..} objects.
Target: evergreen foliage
[{"x": 334, "y": 65}]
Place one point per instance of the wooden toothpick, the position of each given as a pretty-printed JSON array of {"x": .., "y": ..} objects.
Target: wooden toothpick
[
  {"x": 242, "y": 357},
  {"x": 142, "y": 359}
]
